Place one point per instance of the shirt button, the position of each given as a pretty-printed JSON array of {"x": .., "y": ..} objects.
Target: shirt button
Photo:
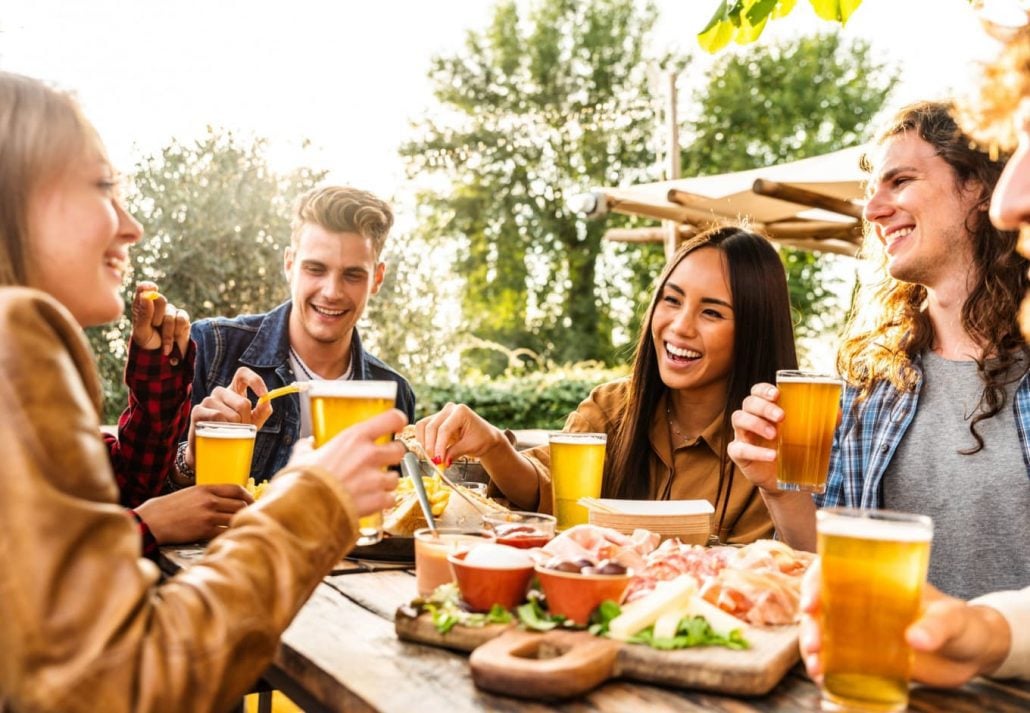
[
  {"x": 288, "y": 440},
  {"x": 883, "y": 448}
]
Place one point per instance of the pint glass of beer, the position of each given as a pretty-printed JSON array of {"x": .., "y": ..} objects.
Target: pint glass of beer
[
  {"x": 874, "y": 565},
  {"x": 577, "y": 466},
  {"x": 810, "y": 403},
  {"x": 336, "y": 405},
  {"x": 223, "y": 452}
]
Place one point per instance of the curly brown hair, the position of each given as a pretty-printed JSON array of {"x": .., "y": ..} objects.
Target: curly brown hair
[
  {"x": 888, "y": 326},
  {"x": 986, "y": 115}
]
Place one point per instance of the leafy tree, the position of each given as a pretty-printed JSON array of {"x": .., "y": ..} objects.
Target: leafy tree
[
  {"x": 217, "y": 219},
  {"x": 408, "y": 323},
  {"x": 744, "y": 20},
  {"x": 784, "y": 102},
  {"x": 534, "y": 109}
]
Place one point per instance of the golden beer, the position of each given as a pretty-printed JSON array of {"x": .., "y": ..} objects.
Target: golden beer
[
  {"x": 577, "y": 467},
  {"x": 223, "y": 452},
  {"x": 336, "y": 405},
  {"x": 810, "y": 403},
  {"x": 874, "y": 565}
]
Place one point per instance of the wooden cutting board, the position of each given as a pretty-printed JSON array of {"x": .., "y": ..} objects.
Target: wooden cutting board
[{"x": 562, "y": 664}]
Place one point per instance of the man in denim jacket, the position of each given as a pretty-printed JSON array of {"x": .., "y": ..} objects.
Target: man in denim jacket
[{"x": 333, "y": 266}]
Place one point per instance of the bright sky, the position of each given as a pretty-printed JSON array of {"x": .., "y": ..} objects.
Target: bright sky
[{"x": 350, "y": 75}]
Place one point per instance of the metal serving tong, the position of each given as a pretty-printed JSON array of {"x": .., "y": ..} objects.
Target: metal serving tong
[{"x": 409, "y": 465}]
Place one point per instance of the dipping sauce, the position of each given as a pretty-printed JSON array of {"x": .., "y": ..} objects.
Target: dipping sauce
[
  {"x": 523, "y": 530},
  {"x": 522, "y": 536}
]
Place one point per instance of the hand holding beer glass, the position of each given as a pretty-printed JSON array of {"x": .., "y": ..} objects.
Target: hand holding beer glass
[
  {"x": 336, "y": 405},
  {"x": 810, "y": 403},
  {"x": 577, "y": 468},
  {"x": 873, "y": 569},
  {"x": 223, "y": 452}
]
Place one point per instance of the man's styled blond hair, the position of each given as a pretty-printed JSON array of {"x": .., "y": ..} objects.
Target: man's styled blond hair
[{"x": 341, "y": 209}]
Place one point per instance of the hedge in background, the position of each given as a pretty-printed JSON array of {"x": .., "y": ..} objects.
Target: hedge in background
[{"x": 537, "y": 399}]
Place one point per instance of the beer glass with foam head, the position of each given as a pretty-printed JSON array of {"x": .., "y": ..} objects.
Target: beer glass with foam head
[
  {"x": 577, "y": 466},
  {"x": 810, "y": 403},
  {"x": 223, "y": 452},
  {"x": 874, "y": 566},
  {"x": 336, "y": 405}
]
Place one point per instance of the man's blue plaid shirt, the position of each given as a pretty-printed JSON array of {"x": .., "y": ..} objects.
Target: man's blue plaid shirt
[{"x": 868, "y": 436}]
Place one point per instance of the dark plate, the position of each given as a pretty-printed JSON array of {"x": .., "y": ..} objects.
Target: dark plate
[{"x": 389, "y": 549}]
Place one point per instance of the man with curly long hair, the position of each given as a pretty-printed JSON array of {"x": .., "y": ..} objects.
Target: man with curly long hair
[
  {"x": 955, "y": 640},
  {"x": 936, "y": 410}
]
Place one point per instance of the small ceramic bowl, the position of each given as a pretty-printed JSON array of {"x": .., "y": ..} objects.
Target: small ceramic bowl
[
  {"x": 524, "y": 530},
  {"x": 482, "y": 586},
  {"x": 575, "y": 595}
]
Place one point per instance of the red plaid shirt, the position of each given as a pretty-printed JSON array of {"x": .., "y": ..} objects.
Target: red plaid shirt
[{"x": 143, "y": 453}]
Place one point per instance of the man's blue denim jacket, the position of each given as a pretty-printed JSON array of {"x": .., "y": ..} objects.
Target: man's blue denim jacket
[{"x": 262, "y": 342}]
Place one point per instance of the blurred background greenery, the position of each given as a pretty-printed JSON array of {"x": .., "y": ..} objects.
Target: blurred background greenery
[{"x": 499, "y": 296}]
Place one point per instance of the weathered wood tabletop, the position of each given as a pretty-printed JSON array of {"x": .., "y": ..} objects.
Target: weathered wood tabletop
[{"x": 341, "y": 654}]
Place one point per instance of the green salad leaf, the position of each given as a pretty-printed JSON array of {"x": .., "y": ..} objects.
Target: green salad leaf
[
  {"x": 692, "y": 631},
  {"x": 444, "y": 606},
  {"x": 603, "y": 616}
]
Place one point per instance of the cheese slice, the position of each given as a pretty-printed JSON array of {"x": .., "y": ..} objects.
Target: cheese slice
[
  {"x": 667, "y": 597},
  {"x": 721, "y": 622},
  {"x": 665, "y": 626}
]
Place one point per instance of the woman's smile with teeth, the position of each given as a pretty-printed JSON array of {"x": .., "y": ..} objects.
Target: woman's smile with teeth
[
  {"x": 328, "y": 312},
  {"x": 681, "y": 353},
  {"x": 115, "y": 264}
]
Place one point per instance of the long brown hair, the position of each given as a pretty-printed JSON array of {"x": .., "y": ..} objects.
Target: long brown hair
[
  {"x": 40, "y": 128},
  {"x": 888, "y": 325},
  {"x": 763, "y": 341}
]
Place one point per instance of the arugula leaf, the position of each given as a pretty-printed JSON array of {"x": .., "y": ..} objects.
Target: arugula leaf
[
  {"x": 498, "y": 615},
  {"x": 533, "y": 617},
  {"x": 691, "y": 631},
  {"x": 602, "y": 617},
  {"x": 444, "y": 606},
  {"x": 444, "y": 620}
]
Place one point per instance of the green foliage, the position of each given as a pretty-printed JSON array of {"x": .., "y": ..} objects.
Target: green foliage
[
  {"x": 768, "y": 105},
  {"x": 534, "y": 109},
  {"x": 742, "y": 21},
  {"x": 217, "y": 219},
  {"x": 407, "y": 324},
  {"x": 520, "y": 398}
]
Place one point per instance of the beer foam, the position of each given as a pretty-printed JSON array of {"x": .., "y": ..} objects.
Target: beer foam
[
  {"x": 871, "y": 528},
  {"x": 808, "y": 379},
  {"x": 225, "y": 430},
  {"x": 577, "y": 439},
  {"x": 353, "y": 389}
]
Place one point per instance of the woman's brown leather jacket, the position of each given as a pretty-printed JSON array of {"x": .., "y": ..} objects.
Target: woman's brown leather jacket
[{"x": 84, "y": 623}]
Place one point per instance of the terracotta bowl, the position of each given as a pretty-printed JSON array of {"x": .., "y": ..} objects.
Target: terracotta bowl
[
  {"x": 481, "y": 586},
  {"x": 575, "y": 596}
]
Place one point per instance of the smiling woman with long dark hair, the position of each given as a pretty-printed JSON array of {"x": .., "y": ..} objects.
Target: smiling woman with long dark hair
[{"x": 719, "y": 322}]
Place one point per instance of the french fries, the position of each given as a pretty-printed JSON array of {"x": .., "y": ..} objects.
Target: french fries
[
  {"x": 438, "y": 493},
  {"x": 256, "y": 490}
]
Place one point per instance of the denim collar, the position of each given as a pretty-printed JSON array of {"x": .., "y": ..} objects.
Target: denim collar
[{"x": 270, "y": 347}]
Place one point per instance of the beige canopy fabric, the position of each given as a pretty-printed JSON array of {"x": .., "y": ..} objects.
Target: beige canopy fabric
[{"x": 815, "y": 203}]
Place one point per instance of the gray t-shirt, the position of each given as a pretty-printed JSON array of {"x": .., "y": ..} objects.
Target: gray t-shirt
[{"x": 980, "y": 503}]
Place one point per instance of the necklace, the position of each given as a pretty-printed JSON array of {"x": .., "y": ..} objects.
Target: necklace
[
  {"x": 675, "y": 428},
  {"x": 312, "y": 376},
  {"x": 308, "y": 375}
]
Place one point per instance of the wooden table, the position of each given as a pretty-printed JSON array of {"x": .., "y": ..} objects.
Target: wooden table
[{"x": 341, "y": 654}]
